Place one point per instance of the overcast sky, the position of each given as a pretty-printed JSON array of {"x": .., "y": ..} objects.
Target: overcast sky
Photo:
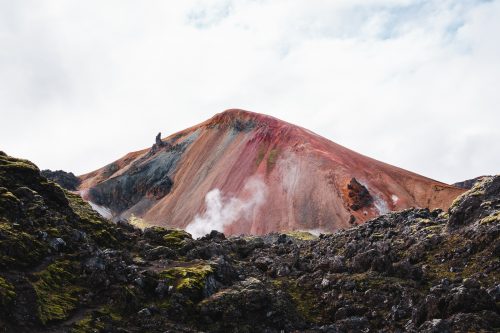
[{"x": 412, "y": 83}]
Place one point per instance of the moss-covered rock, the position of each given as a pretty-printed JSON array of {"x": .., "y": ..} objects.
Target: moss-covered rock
[
  {"x": 89, "y": 324},
  {"x": 304, "y": 301},
  {"x": 495, "y": 217},
  {"x": 251, "y": 305},
  {"x": 138, "y": 222},
  {"x": 5, "y": 195},
  {"x": 98, "y": 320},
  {"x": 176, "y": 238},
  {"x": 100, "y": 230},
  {"x": 7, "y": 293},
  {"x": 301, "y": 235},
  {"x": 19, "y": 248},
  {"x": 191, "y": 279},
  {"x": 57, "y": 291}
]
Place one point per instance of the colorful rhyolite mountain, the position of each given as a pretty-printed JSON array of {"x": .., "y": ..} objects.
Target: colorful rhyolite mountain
[{"x": 244, "y": 172}]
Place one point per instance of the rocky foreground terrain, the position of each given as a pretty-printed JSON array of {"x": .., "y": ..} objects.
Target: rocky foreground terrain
[{"x": 63, "y": 268}]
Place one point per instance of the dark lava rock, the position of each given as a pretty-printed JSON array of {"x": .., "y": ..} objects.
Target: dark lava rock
[
  {"x": 65, "y": 179},
  {"x": 158, "y": 145},
  {"x": 469, "y": 183},
  {"x": 160, "y": 252},
  {"x": 161, "y": 188},
  {"x": 480, "y": 202},
  {"x": 147, "y": 177},
  {"x": 57, "y": 244},
  {"x": 158, "y": 140},
  {"x": 64, "y": 268},
  {"x": 463, "y": 299}
]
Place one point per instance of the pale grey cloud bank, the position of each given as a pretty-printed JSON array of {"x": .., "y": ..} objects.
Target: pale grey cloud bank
[{"x": 412, "y": 83}]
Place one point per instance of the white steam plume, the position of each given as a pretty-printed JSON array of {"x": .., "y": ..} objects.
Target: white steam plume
[{"x": 223, "y": 211}]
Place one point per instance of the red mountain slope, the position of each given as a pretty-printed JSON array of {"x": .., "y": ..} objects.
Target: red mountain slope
[{"x": 243, "y": 172}]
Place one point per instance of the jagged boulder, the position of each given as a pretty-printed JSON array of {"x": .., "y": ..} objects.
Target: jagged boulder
[
  {"x": 480, "y": 204},
  {"x": 358, "y": 194}
]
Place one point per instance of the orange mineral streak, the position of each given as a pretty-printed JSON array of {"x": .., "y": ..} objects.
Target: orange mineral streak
[{"x": 305, "y": 174}]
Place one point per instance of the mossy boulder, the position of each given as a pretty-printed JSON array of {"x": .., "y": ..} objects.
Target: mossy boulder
[
  {"x": 495, "y": 217},
  {"x": 472, "y": 205},
  {"x": 304, "y": 302},
  {"x": 173, "y": 238},
  {"x": 99, "y": 320},
  {"x": 176, "y": 238},
  {"x": 251, "y": 305},
  {"x": 9, "y": 203},
  {"x": 193, "y": 280}
]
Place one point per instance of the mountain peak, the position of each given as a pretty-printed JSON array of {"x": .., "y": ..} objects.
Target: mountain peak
[
  {"x": 237, "y": 113},
  {"x": 242, "y": 119},
  {"x": 246, "y": 172}
]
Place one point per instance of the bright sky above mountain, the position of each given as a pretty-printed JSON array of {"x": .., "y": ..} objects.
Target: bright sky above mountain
[{"x": 411, "y": 83}]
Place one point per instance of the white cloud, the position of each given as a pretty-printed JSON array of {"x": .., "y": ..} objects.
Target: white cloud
[{"x": 412, "y": 83}]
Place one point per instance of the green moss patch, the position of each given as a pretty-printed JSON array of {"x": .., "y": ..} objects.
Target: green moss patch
[
  {"x": 424, "y": 221},
  {"x": 305, "y": 302},
  {"x": 371, "y": 280},
  {"x": 18, "y": 247},
  {"x": 101, "y": 230},
  {"x": 6, "y": 195},
  {"x": 95, "y": 321},
  {"x": 433, "y": 228},
  {"x": 176, "y": 238},
  {"x": 490, "y": 219},
  {"x": 377, "y": 235},
  {"x": 138, "y": 222},
  {"x": 57, "y": 292},
  {"x": 88, "y": 325},
  {"x": 10, "y": 163},
  {"x": 7, "y": 292},
  {"x": 301, "y": 235},
  {"x": 189, "y": 278}
]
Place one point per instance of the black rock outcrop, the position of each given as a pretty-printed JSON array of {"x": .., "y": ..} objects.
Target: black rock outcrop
[
  {"x": 358, "y": 195},
  {"x": 158, "y": 141},
  {"x": 159, "y": 144},
  {"x": 65, "y": 179},
  {"x": 469, "y": 183}
]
